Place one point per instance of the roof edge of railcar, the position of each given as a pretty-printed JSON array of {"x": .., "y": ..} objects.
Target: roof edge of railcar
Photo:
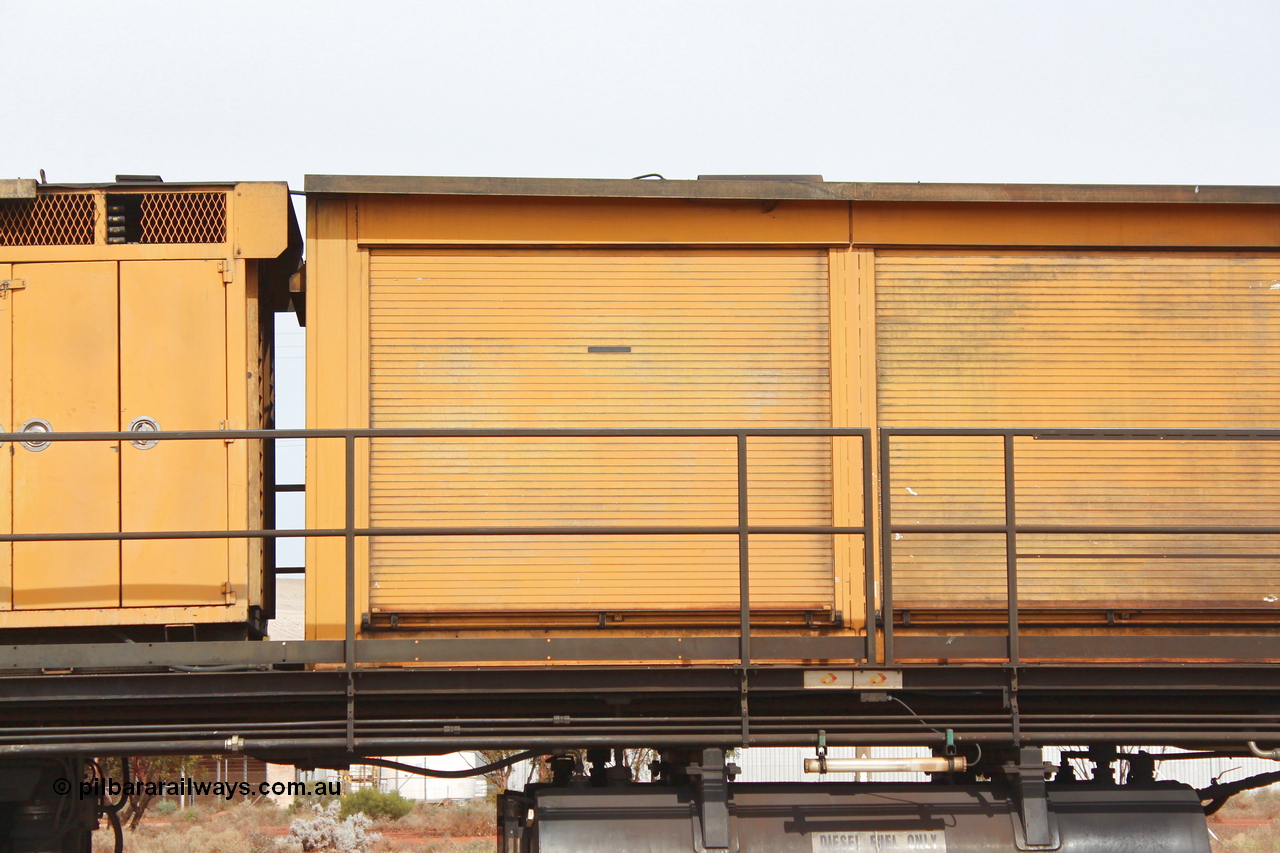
[{"x": 782, "y": 190}]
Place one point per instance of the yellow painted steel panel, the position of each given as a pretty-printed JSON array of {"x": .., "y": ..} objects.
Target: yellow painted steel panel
[
  {"x": 1062, "y": 341},
  {"x": 1079, "y": 224},
  {"x": 259, "y": 222},
  {"x": 173, "y": 369},
  {"x": 454, "y": 220},
  {"x": 850, "y": 283},
  {"x": 64, "y": 372},
  {"x": 6, "y": 462},
  {"x": 597, "y": 573},
  {"x": 236, "y": 331},
  {"x": 332, "y": 335},
  {"x": 503, "y": 338}
]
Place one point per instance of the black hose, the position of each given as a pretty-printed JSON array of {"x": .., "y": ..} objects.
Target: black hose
[
  {"x": 454, "y": 774},
  {"x": 1217, "y": 795},
  {"x": 62, "y": 820},
  {"x": 124, "y": 798},
  {"x": 116, "y": 829}
]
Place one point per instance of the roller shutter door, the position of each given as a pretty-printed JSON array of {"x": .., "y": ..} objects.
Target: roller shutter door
[
  {"x": 1074, "y": 341},
  {"x": 535, "y": 338}
]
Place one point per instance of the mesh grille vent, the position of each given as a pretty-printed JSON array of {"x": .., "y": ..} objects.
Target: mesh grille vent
[
  {"x": 59, "y": 219},
  {"x": 184, "y": 218}
]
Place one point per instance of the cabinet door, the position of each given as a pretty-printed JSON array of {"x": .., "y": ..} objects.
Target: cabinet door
[
  {"x": 64, "y": 372},
  {"x": 173, "y": 372},
  {"x": 598, "y": 338}
]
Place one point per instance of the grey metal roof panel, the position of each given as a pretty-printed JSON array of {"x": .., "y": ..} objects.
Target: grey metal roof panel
[
  {"x": 762, "y": 190},
  {"x": 144, "y": 186}
]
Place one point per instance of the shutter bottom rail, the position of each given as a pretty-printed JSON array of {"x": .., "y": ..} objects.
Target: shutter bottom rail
[{"x": 408, "y": 620}]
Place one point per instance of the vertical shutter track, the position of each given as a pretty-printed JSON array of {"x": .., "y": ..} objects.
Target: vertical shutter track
[
  {"x": 501, "y": 339},
  {"x": 1072, "y": 341}
]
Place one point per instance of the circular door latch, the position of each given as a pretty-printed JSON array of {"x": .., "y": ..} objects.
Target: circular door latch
[
  {"x": 36, "y": 425},
  {"x": 144, "y": 425}
]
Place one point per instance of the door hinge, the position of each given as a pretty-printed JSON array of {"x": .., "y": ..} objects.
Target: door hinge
[
  {"x": 229, "y": 592},
  {"x": 8, "y": 284},
  {"x": 228, "y": 270}
]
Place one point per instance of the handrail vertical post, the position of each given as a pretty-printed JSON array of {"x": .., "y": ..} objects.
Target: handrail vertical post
[
  {"x": 744, "y": 565},
  {"x": 868, "y": 545},
  {"x": 886, "y": 550},
  {"x": 349, "y": 641},
  {"x": 1011, "y": 547},
  {"x": 350, "y": 534}
]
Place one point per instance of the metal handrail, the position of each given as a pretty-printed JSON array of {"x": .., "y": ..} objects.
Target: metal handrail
[
  {"x": 876, "y": 603},
  {"x": 1011, "y": 527},
  {"x": 350, "y": 532}
]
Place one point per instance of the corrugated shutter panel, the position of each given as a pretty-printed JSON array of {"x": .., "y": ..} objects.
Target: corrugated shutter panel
[
  {"x": 1071, "y": 341},
  {"x": 504, "y": 338}
]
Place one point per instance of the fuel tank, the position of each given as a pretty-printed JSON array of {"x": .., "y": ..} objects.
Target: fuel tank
[{"x": 856, "y": 817}]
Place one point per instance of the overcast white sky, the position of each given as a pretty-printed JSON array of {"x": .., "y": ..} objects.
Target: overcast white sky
[
  {"x": 1070, "y": 92},
  {"x": 1132, "y": 92}
]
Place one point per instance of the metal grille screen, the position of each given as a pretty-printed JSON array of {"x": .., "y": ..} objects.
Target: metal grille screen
[
  {"x": 184, "y": 218},
  {"x": 61, "y": 219}
]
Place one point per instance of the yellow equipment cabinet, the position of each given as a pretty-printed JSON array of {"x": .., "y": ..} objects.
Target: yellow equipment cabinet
[
  {"x": 138, "y": 307},
  {"x": 522, "y": 304}
]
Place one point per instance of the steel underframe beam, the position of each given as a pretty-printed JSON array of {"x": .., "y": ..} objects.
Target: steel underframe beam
[
  {"x": 979, "y": 651},
  {"x": 278, "y": 712}
]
